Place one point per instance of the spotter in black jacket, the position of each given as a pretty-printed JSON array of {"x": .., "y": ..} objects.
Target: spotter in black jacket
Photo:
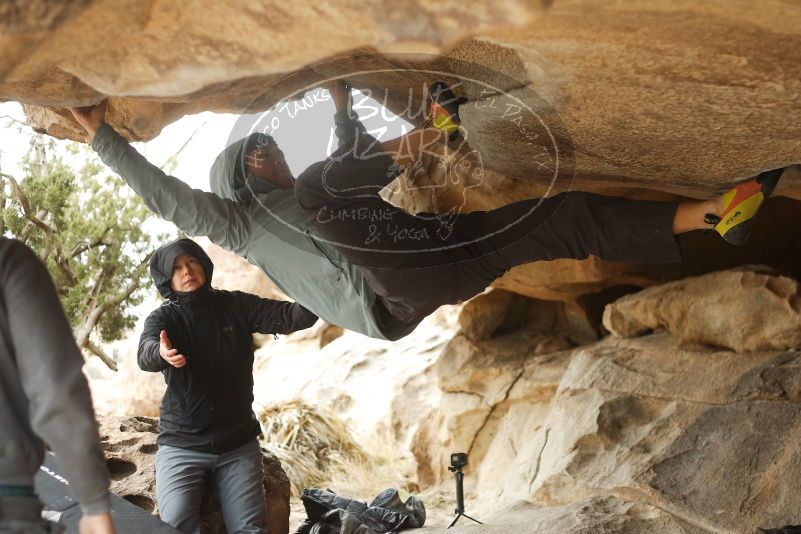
[{"x": 207, "y": 405}]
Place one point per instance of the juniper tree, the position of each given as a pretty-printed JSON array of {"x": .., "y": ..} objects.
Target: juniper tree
[{"x": 87, "y": 228}]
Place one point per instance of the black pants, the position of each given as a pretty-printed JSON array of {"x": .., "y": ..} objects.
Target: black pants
[{"x": 416, "y": 263}]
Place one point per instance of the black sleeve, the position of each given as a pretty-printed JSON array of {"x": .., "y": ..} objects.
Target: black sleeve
[
  {"x": 148, "y": 356},
  {"x": 268, "y": 316},
  {"x": 348, "y": 127}
]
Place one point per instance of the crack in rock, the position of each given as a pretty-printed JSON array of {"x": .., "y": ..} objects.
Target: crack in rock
[
  {"x": 492, "y": 411},
  {"x": 634, "y": 495},
  {"x": 539, "y": 459}
]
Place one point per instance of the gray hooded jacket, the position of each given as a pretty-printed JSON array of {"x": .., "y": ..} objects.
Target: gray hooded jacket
[
  {"x": 268, "y": 228},
  {"x": 44, "y": 396}
]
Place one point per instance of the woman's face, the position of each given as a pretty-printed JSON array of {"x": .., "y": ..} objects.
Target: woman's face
[
  {"x": 187, "y": 273},
  {"x": 269, "y": 164}
]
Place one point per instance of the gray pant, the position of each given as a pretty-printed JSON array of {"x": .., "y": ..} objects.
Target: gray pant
[
  {"x": 23, "y": 515},
  {"x": 236, "y": 478}
]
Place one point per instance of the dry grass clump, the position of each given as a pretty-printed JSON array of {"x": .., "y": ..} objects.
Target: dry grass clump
[
  {"x": 310, "y": 441},
  {"x": 365, "y": 479}
]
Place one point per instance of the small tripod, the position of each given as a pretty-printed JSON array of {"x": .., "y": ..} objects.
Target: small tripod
[{"x": 459, "y": 460}]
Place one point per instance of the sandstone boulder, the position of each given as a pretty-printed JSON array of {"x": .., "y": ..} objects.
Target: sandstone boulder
[
  {"x": 498, "y": 312},
  {"x": 673, "y": 427},
  {"x": 497, "y": 376},
  {"x": 130, "y": 445},
  {"x": 646, "y": 420},
  {"x": 643, "y": 434},
  {"x": 742, "y": 310}
]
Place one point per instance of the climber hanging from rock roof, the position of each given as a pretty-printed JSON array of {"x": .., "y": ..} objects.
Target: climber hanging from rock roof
[{"x": 332, "y": 243}]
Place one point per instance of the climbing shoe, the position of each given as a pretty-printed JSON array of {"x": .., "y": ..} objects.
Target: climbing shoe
[
  {"x": 445, "y": 109},
  {"x": 740, "y": 205}
]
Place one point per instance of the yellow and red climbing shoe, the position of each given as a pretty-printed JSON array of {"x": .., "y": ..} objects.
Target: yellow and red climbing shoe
[
  {"x": 741, "y": 203},
  {"x": 445, "y": 109}
]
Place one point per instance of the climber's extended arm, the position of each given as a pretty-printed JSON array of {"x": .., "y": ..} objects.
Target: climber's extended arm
[{"x": 194, "y": 211}]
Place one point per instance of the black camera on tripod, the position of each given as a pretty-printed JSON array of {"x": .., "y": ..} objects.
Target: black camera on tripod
[{"x": 458, "y": 461}]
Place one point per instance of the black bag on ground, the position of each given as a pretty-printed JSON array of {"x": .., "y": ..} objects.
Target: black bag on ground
[{"x": 386, "y": 513}]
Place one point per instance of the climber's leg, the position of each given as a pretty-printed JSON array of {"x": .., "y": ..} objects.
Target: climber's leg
[
  {"x": 573, "y": 225},
  {"x": 696, "y": 215},
  {"x": 733, "y": 213},
  {"x": 570, "y": 225},
  {"x": 485, "y": 245}
]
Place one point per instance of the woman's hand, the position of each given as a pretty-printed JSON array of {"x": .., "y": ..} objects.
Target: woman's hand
[
  {"x": 169, "y": 354},
  {"x": 340, "y": 92}
]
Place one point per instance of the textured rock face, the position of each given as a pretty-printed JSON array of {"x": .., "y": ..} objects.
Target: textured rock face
[
  {"x": 673, "y": 427},
  {"x": 599, "y": 514},
  {"x": 737, "y": 310},
  {"x": 161, "y": 61},
  {"x": 130, "y": 444},
  {"x": 652, "y": 99},
  {"x": 643, "y": 86},
  {"x": 648, "y": 434},
  {"x": 636, "y": 84},
  {"x": 484, "y": 373}
]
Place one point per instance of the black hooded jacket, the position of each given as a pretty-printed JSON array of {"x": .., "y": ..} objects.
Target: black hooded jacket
[{"x": 207, "y": 405}]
